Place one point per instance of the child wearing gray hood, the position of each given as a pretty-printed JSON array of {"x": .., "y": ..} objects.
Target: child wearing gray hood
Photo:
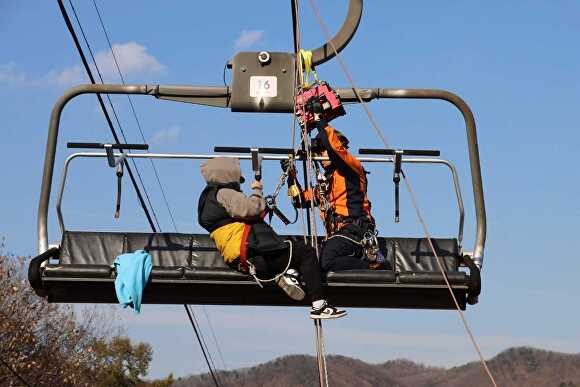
[{"x": 249, "y": 245}]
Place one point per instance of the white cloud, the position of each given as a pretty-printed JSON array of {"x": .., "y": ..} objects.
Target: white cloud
[
  {"x": 166, "y": 135},
  {"x": 248, "y": 38},
  {"x": 68, "y": 76},
  {"x": 133, "y": 60},
  {"x": 10, "y": 75}
]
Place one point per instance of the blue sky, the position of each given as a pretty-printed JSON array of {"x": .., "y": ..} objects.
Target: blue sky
[{"x": 516, "y": 64}]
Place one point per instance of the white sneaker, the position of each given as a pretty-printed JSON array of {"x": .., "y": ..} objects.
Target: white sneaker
[
  {"x": 289, "y": 283},
  {"x": 327, "y": 311}
]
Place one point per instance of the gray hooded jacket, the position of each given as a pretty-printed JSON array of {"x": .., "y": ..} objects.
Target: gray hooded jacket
[{"x": 224, "y": 170}]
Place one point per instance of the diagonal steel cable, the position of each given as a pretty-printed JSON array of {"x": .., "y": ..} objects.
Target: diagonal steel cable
[
  {"x": 407, "y": 184},
  {"x": 61, "y": 5},
  {"x": 110, "y": 104}
]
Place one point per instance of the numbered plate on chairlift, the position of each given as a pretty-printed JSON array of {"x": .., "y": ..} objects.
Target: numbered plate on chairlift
[{"x": 261, "y": 86}]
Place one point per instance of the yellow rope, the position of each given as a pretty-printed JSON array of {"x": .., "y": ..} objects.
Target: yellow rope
[{"x": 306, "y": 57}]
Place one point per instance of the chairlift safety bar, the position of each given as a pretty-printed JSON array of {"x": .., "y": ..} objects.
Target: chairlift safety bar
[{"x": 186, "y": 156}]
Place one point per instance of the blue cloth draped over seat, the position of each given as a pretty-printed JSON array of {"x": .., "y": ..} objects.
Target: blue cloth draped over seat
[{"x": 133, "y": 270}]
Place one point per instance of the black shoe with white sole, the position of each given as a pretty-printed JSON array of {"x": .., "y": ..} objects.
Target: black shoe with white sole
[
  {"x": 291, "y": 287},
  {"x": 327, "y": 312}
]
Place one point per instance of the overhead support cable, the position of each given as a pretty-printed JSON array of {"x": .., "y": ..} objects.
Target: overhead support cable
[
  {"x": 153, "y": 165},
  {"x": 193, "y": 325},
  {"x": 380, "y": 134},
  {"x": 204, "y": 344},
  {"x": 225, "y": 367},
  {"x": 114, "y": 112},
  {"x": 103, "y": 108},
  {"x": 115, "y": 136},
  {"x": 196, "y": 325}
]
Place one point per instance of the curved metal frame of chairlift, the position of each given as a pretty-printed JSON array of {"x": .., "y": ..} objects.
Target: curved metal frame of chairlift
[{"x": 218, "y": 96}]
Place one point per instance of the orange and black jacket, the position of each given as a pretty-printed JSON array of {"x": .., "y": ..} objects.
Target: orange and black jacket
[{"x": 347, "y": 191}]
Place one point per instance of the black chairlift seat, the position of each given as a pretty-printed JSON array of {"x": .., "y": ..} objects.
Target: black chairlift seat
[{"x": 187, "y": 269}]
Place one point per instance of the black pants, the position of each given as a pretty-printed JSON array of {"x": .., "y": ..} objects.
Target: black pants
[
  {"x": 303, "y": 259},
  {"x": 339, "y": 253}
]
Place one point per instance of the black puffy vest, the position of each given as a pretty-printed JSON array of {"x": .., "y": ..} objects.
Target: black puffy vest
[{"x": 211, "y": 215}]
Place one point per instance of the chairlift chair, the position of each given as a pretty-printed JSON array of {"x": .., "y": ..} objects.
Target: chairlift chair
[{"x": 187, "y": 268}]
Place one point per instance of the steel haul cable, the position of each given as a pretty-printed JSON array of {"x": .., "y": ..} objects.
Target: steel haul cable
[
  {"x": 103, "y": 108},
  {"x": 114, "y": 111},
  {"x": 87, "y": 68},
  {"x": 204, "y": 345},
  {"x": 213, "y": 375},
  {"x": 407, "y": 184},
  {"x": 134, "y": 112}
]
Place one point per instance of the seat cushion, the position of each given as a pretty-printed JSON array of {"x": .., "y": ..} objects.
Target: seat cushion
[
  {"x": 416, "y": 255},
  {"x": 91, "y": 248},
  {"x": 166, "y": 249}
]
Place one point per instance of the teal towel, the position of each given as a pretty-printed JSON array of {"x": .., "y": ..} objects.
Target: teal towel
[{"x": 133, "y": 271}]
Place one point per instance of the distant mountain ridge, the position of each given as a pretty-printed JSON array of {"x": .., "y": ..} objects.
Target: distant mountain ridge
[{"x": 514, "y": 367}]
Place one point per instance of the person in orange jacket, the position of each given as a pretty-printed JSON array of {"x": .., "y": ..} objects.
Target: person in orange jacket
[{"x": 341, "y": 195}]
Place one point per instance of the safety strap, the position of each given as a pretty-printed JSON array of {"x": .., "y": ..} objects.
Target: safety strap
[
  {"x": 119, "y": 172},
  {"x": 244, "y": 248},
  {"x": 397, "y": 179},
  {"x": 309, "y": 70},
  {"x": 118, "y": 206},
  {"x": 259, "y": 281},
  {"x": 272, "y": 209}
]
